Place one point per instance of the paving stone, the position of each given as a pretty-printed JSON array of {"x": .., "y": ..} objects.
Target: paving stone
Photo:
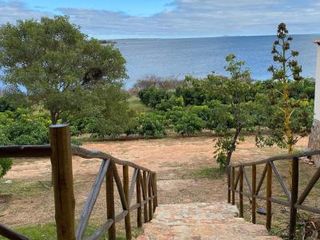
[{"x": 201, "y": 221}]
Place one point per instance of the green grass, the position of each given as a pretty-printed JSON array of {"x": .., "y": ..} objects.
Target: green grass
[
  {"x": 23, "y": 188},
  {"x": 48, "y": 232},
  {"x": 208, "y": 172},
  {"x": 136, "y": 105}
]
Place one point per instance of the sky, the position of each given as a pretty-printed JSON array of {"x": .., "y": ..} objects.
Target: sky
[{"x": 114, "y": 19}]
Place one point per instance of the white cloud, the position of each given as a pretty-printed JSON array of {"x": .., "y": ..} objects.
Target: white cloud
[
  {"x": 186, "y": 18},
  {"x": 10, "y": 11}
]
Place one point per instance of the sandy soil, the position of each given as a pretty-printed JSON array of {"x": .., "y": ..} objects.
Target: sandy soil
[{"x": 173, "y": 160}]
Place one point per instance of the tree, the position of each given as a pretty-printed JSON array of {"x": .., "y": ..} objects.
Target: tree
[
  {"x": 111, "y": 113},
  {"x": 288, "y": 109},
  {"x": 234, "y": 108},
  {"x": 289, "y": 114},
  {"x": 53, "y": 61}
]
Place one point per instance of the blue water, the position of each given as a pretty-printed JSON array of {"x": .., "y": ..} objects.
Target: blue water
[{"x": 200, "y": 56}]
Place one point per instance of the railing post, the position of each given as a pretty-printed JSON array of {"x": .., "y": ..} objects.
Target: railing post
[
  {"x": 149, "y": 180},
  {"x": 155, "y": 191},
  {"x": 241, "y": 192},
  {"x": 126, "y": 192},
  {"x": 294, "y": 197},
  {"x": 269, "y": 195},
  {"x": 110, "y": 202},
  {"x": 138, "y": 192},
  {"x": 145, "y": 199},
  {"x": 62, "y": 176},
  {"x": 233, "y": 186},
  {"x": 229, "y": 183},
  {"x": 253, "y": 194}
]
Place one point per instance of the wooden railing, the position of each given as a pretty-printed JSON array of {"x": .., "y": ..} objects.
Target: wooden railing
[
  {"x": 237, "y": 176},
  {"x": 60, "y": 150}
]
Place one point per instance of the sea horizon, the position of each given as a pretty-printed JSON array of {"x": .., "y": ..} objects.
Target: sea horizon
[
  {"x": 177, "y": 57},
  {"x": 201, "y": 37}
]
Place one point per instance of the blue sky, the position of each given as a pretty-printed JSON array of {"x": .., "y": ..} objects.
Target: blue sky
[{"x": 111, "y": 19}]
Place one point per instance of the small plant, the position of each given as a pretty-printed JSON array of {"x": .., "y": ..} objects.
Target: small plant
[{"x": 5, "y": 166}]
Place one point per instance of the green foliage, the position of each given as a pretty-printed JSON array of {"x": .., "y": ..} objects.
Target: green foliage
[
  {"x": 234, "y": 109},
  {"x": 5, "y": 166},
  {"x": 168, "y": 104},
  {"x": 152, "y": 96},
  {"x": 184, "y": 122},
  {"x": 148, "y": 124},
  {"x": 288, "y": 97},
  {"x": 55, "y": 62},
  {"x": 192, "y": 91},
  {"x": 106, "y": 113},
  {"x": 22, "y": 127}
]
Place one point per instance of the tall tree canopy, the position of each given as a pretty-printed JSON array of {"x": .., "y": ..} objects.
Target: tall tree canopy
[{"x": 55, "y": 64}]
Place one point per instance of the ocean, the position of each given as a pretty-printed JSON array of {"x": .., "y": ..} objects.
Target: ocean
[{"x": 201, "y": 56}]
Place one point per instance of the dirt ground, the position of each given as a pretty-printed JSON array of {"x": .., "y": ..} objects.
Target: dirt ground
[{"x": 28, "y": 199}]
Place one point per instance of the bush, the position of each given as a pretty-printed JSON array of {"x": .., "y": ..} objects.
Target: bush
[
  {"x": 153, "y": 96},
  {"x": 24, "y": 127},
  {"x": 147, "y": 125},
  {"x": 185, "y": 122},
  {"x": 5, "y": 166},
  {"x": 168, "y": 104},
  {"x": 21, "y": 128}
]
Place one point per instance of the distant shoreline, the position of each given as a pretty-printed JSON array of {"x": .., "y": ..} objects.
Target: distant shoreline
[{"x": 178, "y": 38}]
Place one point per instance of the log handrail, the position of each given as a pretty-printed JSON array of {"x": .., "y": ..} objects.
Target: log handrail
[
  {"x": 143, "y": 182},
  {"x": 40, "y": 151},
  {"x": 294, "y": 199}
]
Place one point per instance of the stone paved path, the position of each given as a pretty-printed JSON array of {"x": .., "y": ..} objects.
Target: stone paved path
[{"x": 201, "y": 221}]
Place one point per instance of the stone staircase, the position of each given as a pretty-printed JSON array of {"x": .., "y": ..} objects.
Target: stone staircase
[{"x": 201, "y": 221}]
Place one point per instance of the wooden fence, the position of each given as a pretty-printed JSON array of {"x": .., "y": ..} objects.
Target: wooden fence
[
  {"x": 60, "y": 150},
  {"x": 237, "y": 176}
]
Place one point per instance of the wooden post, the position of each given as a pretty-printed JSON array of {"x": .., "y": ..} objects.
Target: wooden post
[
  {"x": 126, "y": 192},
  {"x": 229, "y": 184},
  {"x": 269, "y": 195},
  {"x": 253, "y": 194},
  {"x": 145, "y": 199},
  {"x": 241, "y": 192},
  {"x": 110, "y": 202},
  {"x": 294, "y": 198},
  {"x": 233, "y": 186},
  {"x": 61, "y": 161},
  {"x": 149, "y": 179},
  {"x": 155, "y": 190},
  {"x": 138, "y": 192}
]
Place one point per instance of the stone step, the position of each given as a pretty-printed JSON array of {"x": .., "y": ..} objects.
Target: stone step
[{"x": 201, "y": 221}]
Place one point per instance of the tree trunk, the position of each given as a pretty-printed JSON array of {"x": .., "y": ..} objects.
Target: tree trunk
[
  {"x": 233, "y": 145},
  {"x": 54, "y": 117},
  {"x": 314, "y": 140}
]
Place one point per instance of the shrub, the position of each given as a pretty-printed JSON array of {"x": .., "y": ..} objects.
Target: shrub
[
  {"x": 153, "y": 96},
  {"x": 25, "y": 127},
  {"x": 168, "y": 104},
  {"x": 5, "y": 166},
  {"x": 22, "y": 127},
  {"x": 147, "y": 125},
  {"x": 185, "y": 122}
]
